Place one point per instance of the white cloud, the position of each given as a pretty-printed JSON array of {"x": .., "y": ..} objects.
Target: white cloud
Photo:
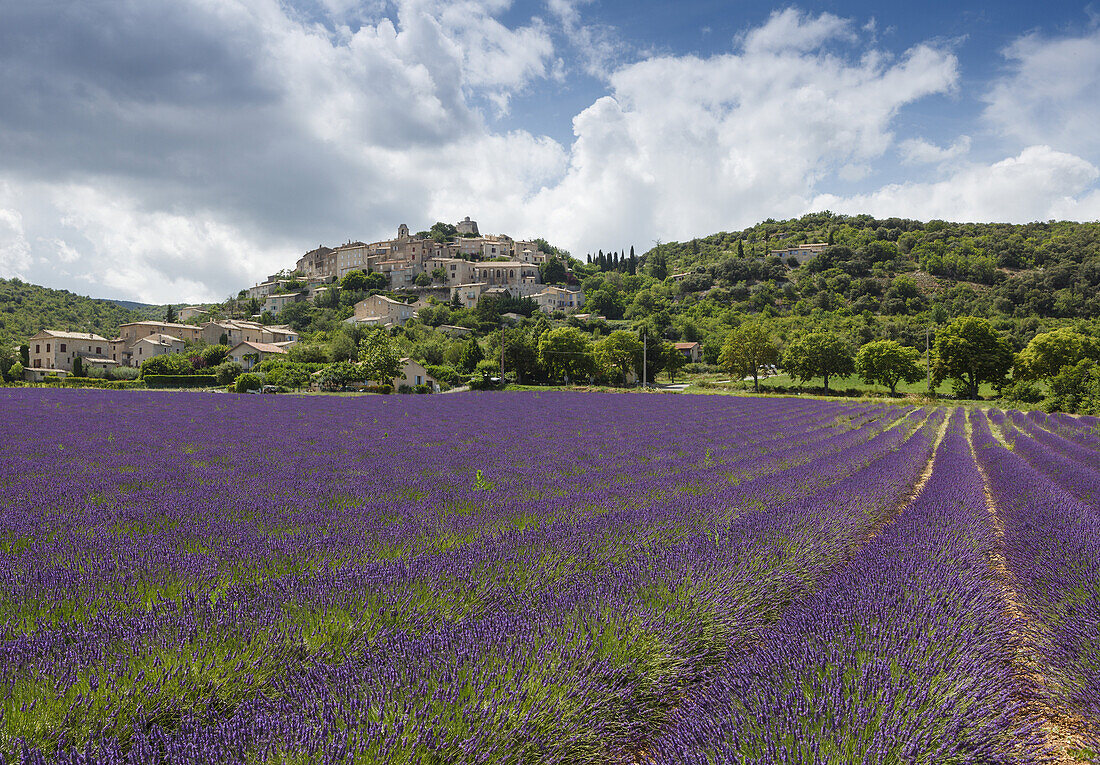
[
  {"x": 1050, "y": 93},
  {"x": 792, "y": 29},
  {"x": 686, "y": 145},
  {"x": 15, "y": 251},
  {"x": 599, "y": 46},
  {"x": 1038, "y": 184},
  {"x": 916, "y": 151}
]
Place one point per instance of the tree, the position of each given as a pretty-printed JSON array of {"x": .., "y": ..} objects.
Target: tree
[
  {"x": 553, "y": 271},
  {"x": 379, "y": 357},
  {"x": 15, "y": 372},
  {"x": 521, "y": 353},
  {"x": 566, "y": 352},
  {"x": 78, "y": 367},
  {"x": 170, "y": 315},
  {"x": 747, "y": 349},
  {"x": 471, "y": 355},
  {"x": 818, "y": 354},
  {"x": 1048, "y": 352},
  {"x": 888, "y": 362},
  {"x": 25, "y": 355},
  {"x": 213, "y": 355},
  {"x": 620, "y": 351},
  {"x": 970, "y": 352},
  {"x": 673, "y": 359},
  {"x": 355, "y": 281}
]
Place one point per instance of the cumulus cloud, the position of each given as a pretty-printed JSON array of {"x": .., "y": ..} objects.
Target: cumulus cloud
[
  {"x": 684, "y": 145},
  {"x": 1038, "y": 184},
  {"x": 1049, "y": 94},
  {"x": 916, "y": 151}
]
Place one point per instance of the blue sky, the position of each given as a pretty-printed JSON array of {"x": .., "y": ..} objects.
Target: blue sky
[{"x": 178, "y": 150}]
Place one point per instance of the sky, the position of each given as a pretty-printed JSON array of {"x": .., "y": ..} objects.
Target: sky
[{"x": 180, "y": 150}]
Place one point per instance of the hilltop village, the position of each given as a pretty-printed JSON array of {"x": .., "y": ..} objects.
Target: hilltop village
[{"x": 452, "y": 264}]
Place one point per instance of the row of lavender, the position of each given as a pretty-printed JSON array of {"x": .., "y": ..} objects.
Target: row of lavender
[
  {"x": 1046, "y": 491},
  {"x": 467, "y": 578}
]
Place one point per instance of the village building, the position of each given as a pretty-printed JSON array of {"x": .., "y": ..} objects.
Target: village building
[
  {"x": 384, "y": 311},
  {"x": 412, "y": 374},
  {"x": 800, "y": 252},
  {"x": 249, "y": 354},
  {"x": 276, "y": 303},
  {"x": 191, "y": 312},
  {"x": 53, "y": 351},
  {"x": 693, "y": 352},
  {"x": 553, "y": 299},
  {"x": 134, "y": 331},
  {"x": 152, "y": 346}
]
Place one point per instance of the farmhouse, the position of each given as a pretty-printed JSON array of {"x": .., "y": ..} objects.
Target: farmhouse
[{"x": 249, "y": 354}]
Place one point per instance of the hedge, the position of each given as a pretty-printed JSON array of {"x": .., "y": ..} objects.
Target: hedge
[
  {"x": 94, "y": 382},
  {"x": 181, "y": 381}
]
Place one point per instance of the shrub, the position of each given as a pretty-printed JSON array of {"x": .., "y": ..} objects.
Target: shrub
[
  {"x": 123, "y": 373},
  {"x": 167, "y": 364},
  {"x": 228, "y": 371},
  {"x": 249, "y": 381},
  {"x": 180, "y": 381},
  {"x": 16, "y": 372},
  {"x": 1026, "y": 391},
  {"x": 96, "y": 382},
  {"x": 404, "y": 388},
  {"x": 423, "y": 389}
]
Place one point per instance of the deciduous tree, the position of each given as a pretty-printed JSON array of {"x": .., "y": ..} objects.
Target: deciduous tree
[
  {"x": 970, "y": 352},
  {"x": 747, "y": 349},
  {"x": 888, "y": 362},
  {"x": 818, "y": 354},
  {"x": 620, "y": 351},
  {"x": 566, "y": 352}
]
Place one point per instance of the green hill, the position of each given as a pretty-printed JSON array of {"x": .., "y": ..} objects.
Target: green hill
[
  {"x": 1046, "y": 270},
  {"x": 27, "y": 308}
]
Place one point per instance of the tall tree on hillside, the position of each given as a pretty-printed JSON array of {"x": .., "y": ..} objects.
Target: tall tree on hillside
[
  {"x": 970, "y": 352},
  {"x": 170, "y": 315},
  {"x": 748, "y": 349},
  {"x": 633, "y": 269},
  {"x": 818, "y": 354},
  {"x": 741, "y": 248}
]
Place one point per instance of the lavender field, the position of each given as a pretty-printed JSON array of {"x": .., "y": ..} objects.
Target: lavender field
[{"x": 559, "y": 578}]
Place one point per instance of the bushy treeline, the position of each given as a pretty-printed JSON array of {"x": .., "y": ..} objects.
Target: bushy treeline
[{"x": 27, "y": 308}]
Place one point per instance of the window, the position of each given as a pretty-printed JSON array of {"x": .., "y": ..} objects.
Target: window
[
  {"x": 62, "y": 348},
  {"x": 37, "y": 348},
  {"x": 47, "y": 347},
  {"x": 418, "y": 380}
]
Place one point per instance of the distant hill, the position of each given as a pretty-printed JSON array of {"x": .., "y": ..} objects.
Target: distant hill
[{"x": 27, "y": 308}]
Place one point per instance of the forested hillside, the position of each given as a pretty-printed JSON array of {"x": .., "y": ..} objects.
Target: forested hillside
[
  {"x": 1038, "y": 269},
  {"x": 27, "y": 308}
]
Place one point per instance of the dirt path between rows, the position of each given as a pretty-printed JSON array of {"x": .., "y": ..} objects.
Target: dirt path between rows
[{"x": 1062, "y": 731}]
